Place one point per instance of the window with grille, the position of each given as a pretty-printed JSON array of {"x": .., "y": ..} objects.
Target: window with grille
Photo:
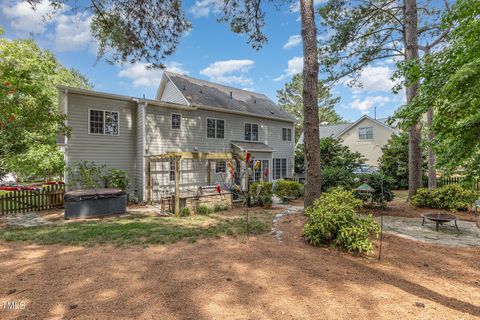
[
  {"x": 215, "y": 128},
  {"x": 279, "y": 168},
  {"x": 365, "y": 133},
  {"x": 176, "y": 121},
  {"x": 286, "y": 134},
  {"x": 104, "y": 122},
  {"x": 172, "y": 170},
  {"x": 251, "y": 132},
  {"x": 220, "y": 166}
]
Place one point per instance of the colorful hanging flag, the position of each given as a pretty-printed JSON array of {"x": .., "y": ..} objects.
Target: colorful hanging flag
[
  {"x": 247, "y": 157},
  {"x": 265, "y": 172},
  {"x": 256, "y": 165},
  {"x": 218, "y": 188}
]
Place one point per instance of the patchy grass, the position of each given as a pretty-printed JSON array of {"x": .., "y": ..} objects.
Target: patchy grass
[{"x": 139, "y": 231}]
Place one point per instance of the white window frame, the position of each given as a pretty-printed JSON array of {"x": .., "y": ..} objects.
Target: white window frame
[
  {"x": 104, "y": 134},
  {"x": 282, "y": 175},
  {"x": 224, "y": 166},
  {"x": 365, "y": 128},
  {"x": 251, "y": 130},
  {"x": 171, "y": 168},
  {"x": 171, "y": 120},
  {"x": 287, "y": 136},
  {"x": 216, "y": 119}
]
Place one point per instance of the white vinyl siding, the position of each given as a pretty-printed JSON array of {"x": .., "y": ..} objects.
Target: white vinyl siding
[{"x": 172, "y": 94}]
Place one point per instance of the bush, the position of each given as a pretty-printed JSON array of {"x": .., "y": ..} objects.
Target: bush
[
  {"x": 337, "y": 177},
  {"x": 379, "y": 181},
  {"x": 267, "y": 201},
  {"x": 220, "y": 207},
  {"x": 260, "y": 190},
  {"x": 452, "y": 197},
  {"x": 117, "y": 179},
  {"x": 332, "y": 220},
  {"x": 185, "y": 212},
  {"x": 287, "y": 190},
  {"x": 203, "y": 209}
]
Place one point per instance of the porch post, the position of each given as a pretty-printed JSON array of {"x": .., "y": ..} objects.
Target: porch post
[{"x": 177, "y": 186}]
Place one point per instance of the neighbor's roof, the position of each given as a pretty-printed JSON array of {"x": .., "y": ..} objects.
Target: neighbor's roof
[
  {"x": 336, "y": 130},
  {"x": 252, "y": 146},
  {"x": 208, "y": 94}
]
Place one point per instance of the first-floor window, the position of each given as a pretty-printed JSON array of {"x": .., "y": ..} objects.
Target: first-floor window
[
  {"x": 172, "y": 170},
  {"x": 103, "y": 122},
  {"x": 215, "y": 128},
  {"x": 279, "y": 168},
  {"x": 262, "y": 173},
  {"x": 220, "y": 166}
]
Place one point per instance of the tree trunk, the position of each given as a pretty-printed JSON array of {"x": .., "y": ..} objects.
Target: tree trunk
[
  {"x": 432, "y": 173},
  {"x": 415, "y": 131},
  {"x": 310, "y": 103}
]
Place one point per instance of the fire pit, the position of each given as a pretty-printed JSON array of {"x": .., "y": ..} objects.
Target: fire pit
[{"x": 440, "y": 218}]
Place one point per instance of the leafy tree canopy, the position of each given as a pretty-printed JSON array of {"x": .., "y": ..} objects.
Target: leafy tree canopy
[
  {"x": 394, "y": 160},
  {"x": 451, "y": 84},
  {"x": 290, "y": 99},
  {"x": 29, "y": 116}
]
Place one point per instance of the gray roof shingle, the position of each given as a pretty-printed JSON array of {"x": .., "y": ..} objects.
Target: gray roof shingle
[{"x": 204, "y": 93}]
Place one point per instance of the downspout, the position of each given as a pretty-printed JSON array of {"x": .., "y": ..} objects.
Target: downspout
[{"x": 65, "y": 152}]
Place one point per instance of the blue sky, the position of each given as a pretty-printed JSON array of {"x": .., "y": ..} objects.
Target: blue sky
[{"x": 210, "y": 51}]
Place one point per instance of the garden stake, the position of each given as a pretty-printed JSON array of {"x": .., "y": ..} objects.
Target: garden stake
[{"x": 381, "y": 225}]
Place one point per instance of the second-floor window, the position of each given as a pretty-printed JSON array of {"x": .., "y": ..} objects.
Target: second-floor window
[
  {"x": 215, "y": 128},
  {"x": 103, "y": 122},
  {"x": 176, "y": 121},
  {"x": 365, "y": 133},
  {"x": 251, "y": 132},
  {"x": 286, "y": 134}
]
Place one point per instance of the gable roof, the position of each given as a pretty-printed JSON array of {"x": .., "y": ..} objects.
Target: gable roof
[
  {"x": 201, "y": 93},
  {"x": 353, "y": 124},
  {"x": 337, "y": 130}
]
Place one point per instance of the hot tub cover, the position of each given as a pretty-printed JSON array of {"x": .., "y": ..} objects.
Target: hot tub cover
[{"x": 79, "y": 195}]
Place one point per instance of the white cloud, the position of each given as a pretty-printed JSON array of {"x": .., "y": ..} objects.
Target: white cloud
[
  {"x": 72, "y": 33},
  {"x": 25, "y": 19},
  {"x": 369, "y": 102},
  {"x": 295, "y": 65},
  {"x": 142, "y": 76},
  {"x": 375, "y": 79},
  {"x": 293, "y": 41},
  {"x": 203, "y": 8},
  {"x": 295, "y": 7},
  {"x": 229, "y": 72}
]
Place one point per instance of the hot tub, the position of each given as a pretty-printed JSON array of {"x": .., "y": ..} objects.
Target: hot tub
[{"x": 94, "y": 203}]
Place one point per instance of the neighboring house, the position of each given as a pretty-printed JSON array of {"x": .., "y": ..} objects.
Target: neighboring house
[
  {"x": 366, "y": 136},
  {"x": 187, "y": 115}
]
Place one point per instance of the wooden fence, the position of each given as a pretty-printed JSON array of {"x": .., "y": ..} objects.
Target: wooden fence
[
  {"x": 21, "y": 201},
  {"x": 443, "y": 181}
]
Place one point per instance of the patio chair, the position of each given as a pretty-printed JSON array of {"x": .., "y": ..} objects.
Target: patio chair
[{"x": 476, "y": 207}]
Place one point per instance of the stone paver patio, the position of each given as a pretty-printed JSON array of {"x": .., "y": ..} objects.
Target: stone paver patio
[{"x": 411, "y": 228}]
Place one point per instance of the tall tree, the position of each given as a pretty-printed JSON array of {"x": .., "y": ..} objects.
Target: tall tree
[
  {"x": 29, "y": 117},
  {"x": 372, "y": 30},
  {"x": 290, "y": 99},
  {"x": 450, "y": 82}
]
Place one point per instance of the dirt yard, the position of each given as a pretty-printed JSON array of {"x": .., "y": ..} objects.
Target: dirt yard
[{"x": 236, "y": 278}]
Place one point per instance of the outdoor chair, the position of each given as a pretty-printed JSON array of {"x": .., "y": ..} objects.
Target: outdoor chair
[{"x": 476, "y": 207}]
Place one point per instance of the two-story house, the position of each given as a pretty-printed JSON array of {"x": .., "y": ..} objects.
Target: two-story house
[{"x": 187, "y": 115}]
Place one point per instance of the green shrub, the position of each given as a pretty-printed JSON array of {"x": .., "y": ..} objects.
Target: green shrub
[
  {"x": 452, "y": 197},
  {"x": 379, "y": 181},
  {"x": 117, "y": 179},
  {"x": 287, "y": 190},
  {"x": 267, "y": 200},
  {"x": 337, "y": 177},
  {"x": 220, "y": 207},
  {"x": 260, "y": 190},
  {"x": 185, "y": 212},
  {"x": 203, "y": 209},
  {"x": 332, "y": 220}
]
